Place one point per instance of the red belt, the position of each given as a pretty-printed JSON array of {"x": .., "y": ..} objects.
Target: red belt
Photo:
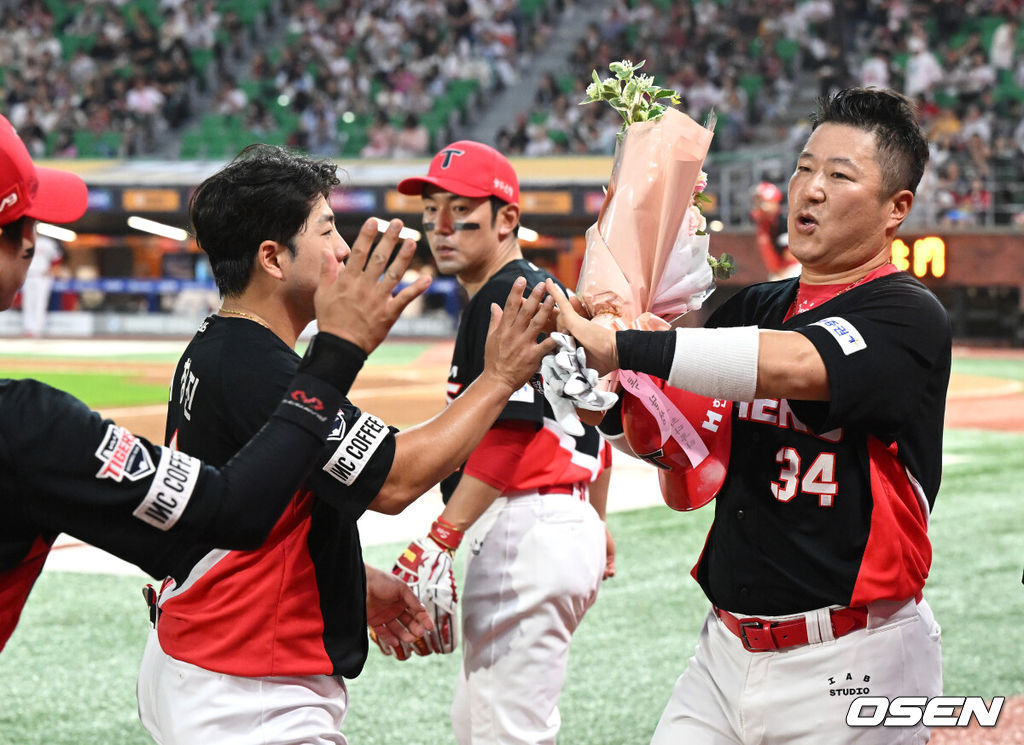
[
  {"x": 763, "y": 635},
  {"x": 566, "y": 489},
  {"x": 578, "y": 490}
]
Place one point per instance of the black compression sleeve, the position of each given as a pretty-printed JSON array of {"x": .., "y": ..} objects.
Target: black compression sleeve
[
  {"x": 260, "y": 480},
  {"x": 333, "y": 359},
  {"x": 262, "y": 477},
  {"x": 648, "y": 352}
]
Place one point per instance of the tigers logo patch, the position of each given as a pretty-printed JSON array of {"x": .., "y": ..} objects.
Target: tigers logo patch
[{"x": 122, "y": 456}]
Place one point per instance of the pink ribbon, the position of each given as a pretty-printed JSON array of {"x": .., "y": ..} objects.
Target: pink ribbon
[{"x": 671, "y": 421}]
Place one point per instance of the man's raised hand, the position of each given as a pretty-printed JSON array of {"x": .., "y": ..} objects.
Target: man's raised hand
[
  {"x": 355, "y": 301},
  {"x": 598, "y": 340},
  {"x": 512, "y": 353}
]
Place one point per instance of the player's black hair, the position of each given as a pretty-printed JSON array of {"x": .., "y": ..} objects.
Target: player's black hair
[
  {"x": 892, "y": 118},
  {"x": 15, "y": 228},
  {"x": 496, "y": 204},
  {"x": 265, "y": 193}
]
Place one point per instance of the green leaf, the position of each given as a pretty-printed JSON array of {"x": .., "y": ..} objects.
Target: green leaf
[
  {"x": 633, "y": 96},
  {"x": 622, "y": 70},
  {"x": 723, "y": 267}
]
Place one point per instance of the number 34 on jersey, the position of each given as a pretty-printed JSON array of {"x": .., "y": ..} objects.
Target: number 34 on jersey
[{"x": 797, "y": 474}]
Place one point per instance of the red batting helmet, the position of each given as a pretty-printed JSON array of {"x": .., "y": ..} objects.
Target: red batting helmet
[
  {"x": 766, "y": 191},
  {"x": 683, "y": 486}
]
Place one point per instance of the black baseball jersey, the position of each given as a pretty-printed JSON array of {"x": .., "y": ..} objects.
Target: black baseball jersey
[
  {"x": 297, "y": 604},
  {"x": 827, "y": 502},
  {"x": 553, "y": 457},
  {"x": 65, "y": 469}
]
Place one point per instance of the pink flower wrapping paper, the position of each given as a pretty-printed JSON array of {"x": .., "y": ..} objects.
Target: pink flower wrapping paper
[{"x": 644, "y": 264}]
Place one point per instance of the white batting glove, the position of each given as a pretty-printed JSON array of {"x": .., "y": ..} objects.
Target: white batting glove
[
  {"x": 569, "y": 385},
  {"x": 427, "y": 567}
]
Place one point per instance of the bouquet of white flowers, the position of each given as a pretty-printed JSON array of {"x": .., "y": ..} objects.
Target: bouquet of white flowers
[{"x": 647, "y": 259}]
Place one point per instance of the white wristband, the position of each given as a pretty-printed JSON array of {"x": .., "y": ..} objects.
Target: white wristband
[{"x": 719, "y": 362}]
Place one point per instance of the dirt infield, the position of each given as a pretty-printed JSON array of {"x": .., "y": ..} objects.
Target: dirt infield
[{"x": 409, "y": 394}]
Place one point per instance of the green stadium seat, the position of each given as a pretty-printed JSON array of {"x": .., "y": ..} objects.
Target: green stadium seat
[
  {"x": 354, "y": 143},
  {"x": 85, "y": 141},
  {"x": 787, "y": 50},
  {"x": 558, "y": 137},
  {"x": 60, "y": 12},
  {"x": 530, "y": 9},
  {"x": 201, "y": 59},
  {"x": 1011, "y": 92},
  {"x": 192, "y": 146},
  {"x": 752, "y": 83},
  {"x": 987, "y": 25},
  {"x": 461, "y": 91},
  {"x": 71, "y": 43}
]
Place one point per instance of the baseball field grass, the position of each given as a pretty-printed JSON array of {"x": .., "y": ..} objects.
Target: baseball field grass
[{"x": 68, "y": 674}]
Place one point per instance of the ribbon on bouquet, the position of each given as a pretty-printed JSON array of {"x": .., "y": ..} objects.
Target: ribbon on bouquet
[{"x": 670, "y": 420}]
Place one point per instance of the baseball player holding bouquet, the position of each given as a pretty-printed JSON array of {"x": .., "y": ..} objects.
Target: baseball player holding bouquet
[
  {"x": 834, "y": 384},
  {"x": 528, "y": 504}
]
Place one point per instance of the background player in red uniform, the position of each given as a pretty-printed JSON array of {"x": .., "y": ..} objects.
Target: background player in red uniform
[
  {"x": 770, "y": 232},
  {"x": 65, "y": 469},
  {"x": 255, "y": 645},
  {"x": 819, "y": 551},
  {"x": 537, "y": 545}
]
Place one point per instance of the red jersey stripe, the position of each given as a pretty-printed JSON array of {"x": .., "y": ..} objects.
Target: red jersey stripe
[{"x": 898, "y": 553}]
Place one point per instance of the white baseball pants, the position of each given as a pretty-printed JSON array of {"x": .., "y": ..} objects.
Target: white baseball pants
[
  {"x": 181, "y": 704},
  {"x": 801, "y": 695},
  {"x": 533, "y": 568}
]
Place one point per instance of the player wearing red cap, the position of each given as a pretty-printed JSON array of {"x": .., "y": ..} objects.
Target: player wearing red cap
[
  {"x": 65, "y": 469},
  {"x": 770, "y": 232},
  {"x": 537, "y": 546}
]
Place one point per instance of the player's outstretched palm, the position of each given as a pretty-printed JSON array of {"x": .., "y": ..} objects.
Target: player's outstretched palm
[
  {"x": 512, "y": 353},
  {"x": 355, "y": 301}
]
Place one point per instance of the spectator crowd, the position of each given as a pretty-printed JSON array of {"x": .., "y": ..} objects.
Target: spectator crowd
[
  {"x": 757, "y": 65},
  {"x": 382, "y": 79}
]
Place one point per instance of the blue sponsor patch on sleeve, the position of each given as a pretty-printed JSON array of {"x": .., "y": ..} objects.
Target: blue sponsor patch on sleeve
[{"x": 849, "y": 338}]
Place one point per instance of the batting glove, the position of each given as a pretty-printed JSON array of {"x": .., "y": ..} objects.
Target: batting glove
[
  {"x": 427, "y": 567},
  {"x": 569, "y": 385}
]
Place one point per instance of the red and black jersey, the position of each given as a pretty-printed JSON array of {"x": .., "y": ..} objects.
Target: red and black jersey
[
  {"x": 551, "y": 457},
  {"x": 827, "y": 502},
  {"x": 297, "y": 604},
  {"x": 65, "y": 469}
]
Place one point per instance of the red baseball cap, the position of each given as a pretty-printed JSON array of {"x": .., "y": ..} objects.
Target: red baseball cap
[
  {"x": 27, "y": 189},
  {"x": 468, "y": 169},
  {"x": 766, "y": 191}
]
